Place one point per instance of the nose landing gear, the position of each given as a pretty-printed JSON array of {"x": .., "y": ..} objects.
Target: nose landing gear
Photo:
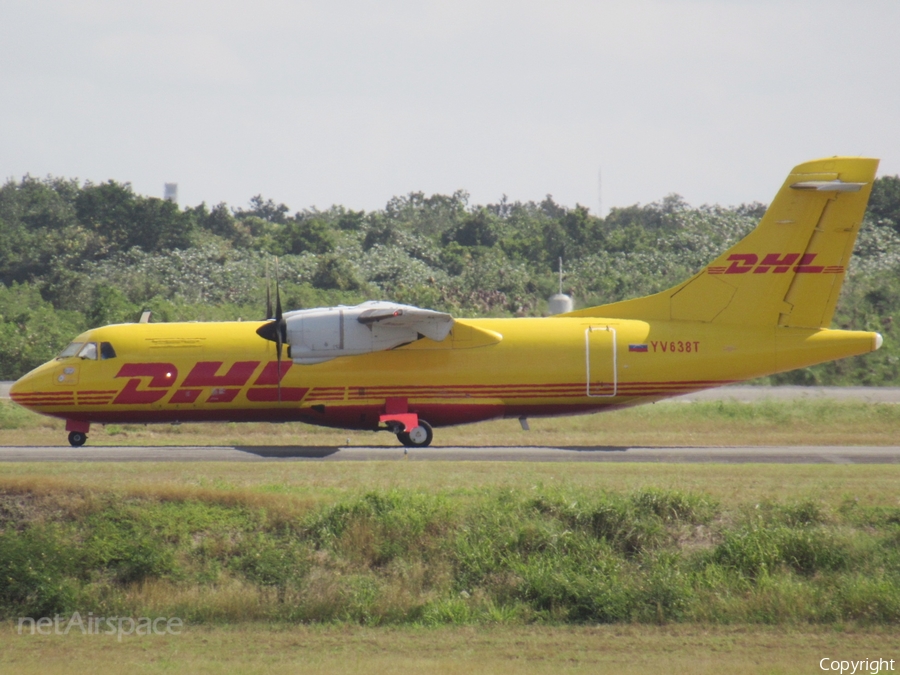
[{"x": 77, "y": 432}]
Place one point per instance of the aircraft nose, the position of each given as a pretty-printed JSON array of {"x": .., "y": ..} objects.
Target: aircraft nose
[
  {"x": 32, "y": 390},
  {"x": 19, "y": 390}
]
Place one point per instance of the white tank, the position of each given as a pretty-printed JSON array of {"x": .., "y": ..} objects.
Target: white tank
[{"x": 559, "y": 304}]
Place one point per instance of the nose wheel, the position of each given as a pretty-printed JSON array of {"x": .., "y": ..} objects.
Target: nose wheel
[
  {"x": 418, "y": 437},
  {"x": 77, "y": 438}
]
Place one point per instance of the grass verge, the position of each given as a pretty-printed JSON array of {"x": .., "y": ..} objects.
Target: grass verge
[
  {"x": 263, "y": 648},
  {"x": 510, "y": 554}
]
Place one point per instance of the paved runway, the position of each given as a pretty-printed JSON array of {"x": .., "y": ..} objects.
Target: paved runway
[
  {"x": 735, "y": 455},
  {"x": 749, "y": 394}
]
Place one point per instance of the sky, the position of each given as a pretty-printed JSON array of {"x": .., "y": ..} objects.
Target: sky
[{"x": 352, "y": 102}]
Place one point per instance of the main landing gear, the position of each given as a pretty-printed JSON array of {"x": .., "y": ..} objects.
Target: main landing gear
[
  {"x": 412, "y": 431},
  {"x": 77, "y": 438},
  {"x": 419, "y": 436}
]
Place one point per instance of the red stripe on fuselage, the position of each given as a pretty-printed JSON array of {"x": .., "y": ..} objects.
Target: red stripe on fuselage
[{"x": 272, "y": 394}]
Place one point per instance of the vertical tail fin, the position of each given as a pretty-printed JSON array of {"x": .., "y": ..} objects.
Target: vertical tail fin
[{"x": 786, "y": 272}]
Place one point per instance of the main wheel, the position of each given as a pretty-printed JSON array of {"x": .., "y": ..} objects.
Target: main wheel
[
  {"x": 77, "y": 438},
  {"x": 417, "y": 437}
]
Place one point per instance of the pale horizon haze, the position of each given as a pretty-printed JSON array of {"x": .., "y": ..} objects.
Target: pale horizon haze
[{"x": 353, "y": 102}]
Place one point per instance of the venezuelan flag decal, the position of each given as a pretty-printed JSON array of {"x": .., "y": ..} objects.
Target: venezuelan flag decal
[{"x": 637, "y": 348}]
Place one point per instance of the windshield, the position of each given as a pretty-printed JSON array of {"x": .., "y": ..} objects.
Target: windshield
[
  {"x": 71, "y": 350},
  {"x": 89, "y": 351}
]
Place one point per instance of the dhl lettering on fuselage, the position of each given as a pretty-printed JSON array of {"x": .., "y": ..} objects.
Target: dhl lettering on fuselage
[
  {"x": 151, "y": 382},
  {"x": 775, "y": 263}
]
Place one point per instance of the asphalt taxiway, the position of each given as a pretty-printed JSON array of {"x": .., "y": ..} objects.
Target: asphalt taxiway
[
  {"x": 737, "y": 454},
  {"x": 721, "y": 455}
]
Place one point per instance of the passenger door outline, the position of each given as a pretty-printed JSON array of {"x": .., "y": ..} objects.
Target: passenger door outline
[{"x": 602, "y": 376}]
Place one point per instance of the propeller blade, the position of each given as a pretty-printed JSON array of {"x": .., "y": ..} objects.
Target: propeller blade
[
  {"x": 280, "y": 328},
  {"x": 278, "y": 316},
  {"x": 268, "y": 293},
  {"x": 275, "y": 329},
  {"x": 278, "y": 344}
]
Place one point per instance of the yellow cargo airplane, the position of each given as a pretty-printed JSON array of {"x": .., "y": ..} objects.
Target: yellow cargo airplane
[{"x": 764, "y": 306}]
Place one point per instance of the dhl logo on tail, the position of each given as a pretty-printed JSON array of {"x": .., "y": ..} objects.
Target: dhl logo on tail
[{"x": 777, "y": 263}]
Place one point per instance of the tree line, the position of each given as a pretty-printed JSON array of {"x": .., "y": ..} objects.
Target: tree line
[{"x": 75, "y": 255}]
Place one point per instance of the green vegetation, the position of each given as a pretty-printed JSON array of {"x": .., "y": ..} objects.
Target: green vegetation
[
  {"x": 674, "y": 649},
  {"x": 73, "y": 256},
  {"x": 494, "y": 555}
]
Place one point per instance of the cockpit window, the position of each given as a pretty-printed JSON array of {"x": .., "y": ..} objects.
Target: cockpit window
[
  {"x": 89, "y": 351},
  {"x": 71, "y": 350},
  {"x": 107, "y": 351}
]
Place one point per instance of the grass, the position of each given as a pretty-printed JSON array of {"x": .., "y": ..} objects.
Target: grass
[
  {"x": 454, "y": 567},
  {"x": 261, "y": 648},
  {"x": 292, "y": 485},
  {"x": 673, "y": 423}
]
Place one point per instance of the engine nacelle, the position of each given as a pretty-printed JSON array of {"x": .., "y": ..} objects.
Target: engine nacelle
[{"x": 317, "y": 335}]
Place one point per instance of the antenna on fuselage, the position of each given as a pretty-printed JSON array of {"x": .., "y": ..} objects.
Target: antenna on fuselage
[
  {"x": 145, "y": 316},
  {"x": 560, "y": 275}
]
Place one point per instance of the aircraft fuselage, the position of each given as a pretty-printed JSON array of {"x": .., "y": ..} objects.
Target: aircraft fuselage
[{"x": 486, "y": 369}]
